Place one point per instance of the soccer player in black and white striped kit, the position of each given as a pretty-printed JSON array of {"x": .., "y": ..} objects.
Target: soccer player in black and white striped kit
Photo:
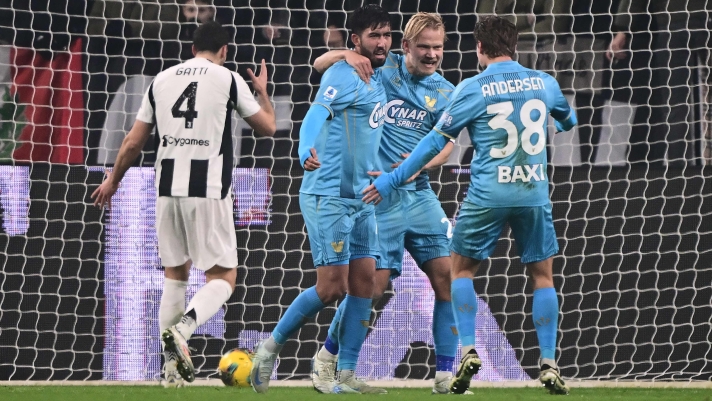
[{"x": 190, "y": 105}]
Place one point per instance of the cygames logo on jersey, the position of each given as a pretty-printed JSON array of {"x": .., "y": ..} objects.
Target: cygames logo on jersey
[
  {"x": 330, "y": 93},
  {"x": 169, "y": 140}
]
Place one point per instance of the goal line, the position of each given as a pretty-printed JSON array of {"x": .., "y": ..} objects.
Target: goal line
[{"x": 408, "y": 383}]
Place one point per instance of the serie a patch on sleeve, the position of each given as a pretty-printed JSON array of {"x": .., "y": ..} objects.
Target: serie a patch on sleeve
[{"x": 330, "y": 93}]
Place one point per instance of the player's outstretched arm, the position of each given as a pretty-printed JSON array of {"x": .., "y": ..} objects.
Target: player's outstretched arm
[
  {"x": 264, "y": 121},
  {"x": 360, "y": 63},
  {"x": 130, "y": 149},
  {"x": 427, "y": 149},
  {"x": 440, "y": 158},
  {"x": 465, "y": 106}
]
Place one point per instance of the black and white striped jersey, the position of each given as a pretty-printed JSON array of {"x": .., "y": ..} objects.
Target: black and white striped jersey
[{"x": 191, "y": 105}]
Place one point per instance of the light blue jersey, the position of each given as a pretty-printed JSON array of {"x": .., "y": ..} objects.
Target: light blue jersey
[
  {"x": 505, "y": 109},
  {"x": 414, "y": 107},
  {"x": 347, "y": 145},
  {"x": 412, "y": 217}
]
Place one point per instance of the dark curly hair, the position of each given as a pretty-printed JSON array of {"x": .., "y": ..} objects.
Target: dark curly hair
[{"x": 371, "y": 16}]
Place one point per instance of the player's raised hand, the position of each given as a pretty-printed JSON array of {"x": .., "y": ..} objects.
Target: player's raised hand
[
  {"x": 102, "y": 195},
  {"x": 361, "y": 64},
  {"x": 371, "y": 195},
  {"x": 374, "y": 173},
  {"x": 259, "y": 82},
  {"x": 312, "y": 162}
]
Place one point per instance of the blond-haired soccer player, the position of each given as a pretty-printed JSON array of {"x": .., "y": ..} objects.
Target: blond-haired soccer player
[
  {"x": 191, "y": 106},
  {"x": 411, "y": 217},
  {"x": 505, "y": 109}
]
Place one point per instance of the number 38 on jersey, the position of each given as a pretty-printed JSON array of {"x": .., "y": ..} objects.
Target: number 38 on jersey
[
  {"x": 502, "y": 111},
  {"x": 531, "y": 127}
]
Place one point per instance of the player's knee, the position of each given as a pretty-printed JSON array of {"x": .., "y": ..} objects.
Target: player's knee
[
  {"x": 541, "y": 273},
  {"x": 231, "y": 279},
  {"x": 331, "y": 290},
  {"x": 381, "y": 282},
  {"x": 180, "y": 273},
  {"x": 330, "y": 294},
  {"x": 542, "y": 281},
  {"x": 438, "y": 272},
  {"x": 378, "y": 292},
  {"x": 463, "y": 266},
  {"x": 441, "y": 286},
  {"x": 331, "y": 283},
  {"x": 221, "y": 273},
  {"x": 362, "y": 286}
]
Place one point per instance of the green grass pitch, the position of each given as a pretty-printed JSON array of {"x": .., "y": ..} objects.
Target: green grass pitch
[{"x": 155, "y": 393}]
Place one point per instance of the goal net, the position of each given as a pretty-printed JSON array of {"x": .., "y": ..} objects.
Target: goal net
[{"x": 631, "y": 191}]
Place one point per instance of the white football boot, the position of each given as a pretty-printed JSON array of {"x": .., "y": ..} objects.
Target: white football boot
[
  {"x": 262, "y": 367},
  {"x": 323, "y": 374}
]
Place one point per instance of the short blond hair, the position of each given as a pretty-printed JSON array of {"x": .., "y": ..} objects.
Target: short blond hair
[{"x": 421, "y": 21}]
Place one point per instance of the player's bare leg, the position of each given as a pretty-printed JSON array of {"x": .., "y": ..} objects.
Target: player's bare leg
[
  {"x": 545, "y": 313},
  {"x": 170, "y": 312},
  {"x": 464, "y": 303},
  {"x": 206, "y": 302},
  {"x": 331, "y": 285}
]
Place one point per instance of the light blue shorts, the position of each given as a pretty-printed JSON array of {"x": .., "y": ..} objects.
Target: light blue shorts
[
  {"x": 412, "y": 220},
  {"x": 478, "y": 228},
  {"x": 339, "y": 229}
]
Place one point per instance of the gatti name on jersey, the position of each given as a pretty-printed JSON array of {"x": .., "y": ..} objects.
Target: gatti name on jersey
[{"x": 191, "y": 105}]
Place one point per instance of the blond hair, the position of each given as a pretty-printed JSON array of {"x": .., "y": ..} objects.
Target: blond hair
[{"x": 421, "y": 21}]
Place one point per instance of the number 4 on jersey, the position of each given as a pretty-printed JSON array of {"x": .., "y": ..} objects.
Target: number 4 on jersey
[{"x": 189, "y": 113}]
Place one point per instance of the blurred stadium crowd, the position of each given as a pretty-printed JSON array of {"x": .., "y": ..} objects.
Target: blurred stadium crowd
[{"x": 72, "y": 72}]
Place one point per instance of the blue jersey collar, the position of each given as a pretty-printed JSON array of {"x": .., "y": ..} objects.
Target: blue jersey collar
[{"x": 503, "y": 65}]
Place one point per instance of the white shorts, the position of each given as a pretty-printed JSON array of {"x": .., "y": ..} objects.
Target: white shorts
[{"x": 199, "y": 229}]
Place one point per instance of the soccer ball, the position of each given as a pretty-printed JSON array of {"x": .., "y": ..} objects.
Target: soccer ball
[{"x": 235, "y": 367}]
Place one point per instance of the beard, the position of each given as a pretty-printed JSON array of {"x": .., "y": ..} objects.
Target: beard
[{"x": 371, "y": 55}]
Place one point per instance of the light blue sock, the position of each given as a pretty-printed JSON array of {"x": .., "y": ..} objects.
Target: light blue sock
[
  {"x": 334, "y": 328},
  {"x": 545, "y": 313},
  {"x": 304, "y": 307},
  {"x": 464, "y": 307},
  {"x": 353, "y": 327},
  {"x": 332, "y": 340},
  {"x": 444, "y": 329}
]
